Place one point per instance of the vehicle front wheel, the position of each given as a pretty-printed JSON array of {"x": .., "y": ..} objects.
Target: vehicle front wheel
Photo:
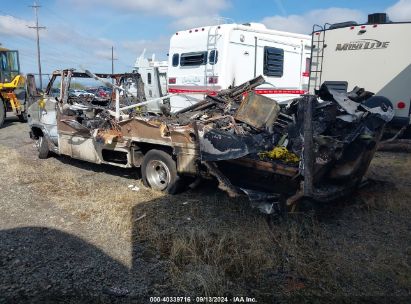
[
  {"x": 159, "y": 171},
  {"x": 42, "y": 147}
]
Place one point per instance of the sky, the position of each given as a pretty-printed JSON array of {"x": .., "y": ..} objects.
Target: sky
[{"x": 80, "y": 33}]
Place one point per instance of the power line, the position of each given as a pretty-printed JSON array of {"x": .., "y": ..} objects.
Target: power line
[{"x": 35, "y": 6}]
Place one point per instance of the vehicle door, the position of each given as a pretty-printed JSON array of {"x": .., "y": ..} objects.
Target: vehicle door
[
  {"x": 42, "y": 107},
  {"x": 74, "y": 139}
]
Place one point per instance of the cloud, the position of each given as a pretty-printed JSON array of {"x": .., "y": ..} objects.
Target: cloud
[
  {"x": 62, "y": 34},
  {"x": 400, "y": 11},
  {"x": 183, "y": 13},
  {"x": 158, "y": 46},
  {"x": 15, "y": 27},
  {"x": 104, "y": 54},
  {"x": 197, "y": 21},
  {"x": 61, "y": 45},
  {"x": 12, "y": 26},
  {"x": 304, "y": 23},
  {"x": 171, "y": 8}
]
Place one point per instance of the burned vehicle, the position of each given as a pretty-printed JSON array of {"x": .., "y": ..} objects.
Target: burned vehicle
[{"x": 317, "y": 146}]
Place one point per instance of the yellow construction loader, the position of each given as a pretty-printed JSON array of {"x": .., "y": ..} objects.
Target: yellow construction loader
[{"x": 12, "y": 85}]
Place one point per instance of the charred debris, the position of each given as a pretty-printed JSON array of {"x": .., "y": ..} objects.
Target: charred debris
[{"x": 317, "y": 146}]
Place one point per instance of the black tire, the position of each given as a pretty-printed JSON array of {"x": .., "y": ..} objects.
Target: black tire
[
  {"x": 42, "y": 147},
  {"x": 308, "y": 205},
  {"x": 2, "y": 113},
  {"x": 407, "y": 133},
  {"x": 159, "y": 172},
  {"x": 22, "y": 117}
]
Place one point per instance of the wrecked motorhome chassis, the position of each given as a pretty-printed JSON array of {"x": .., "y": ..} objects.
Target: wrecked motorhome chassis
[{"x": 276, "y": 155}]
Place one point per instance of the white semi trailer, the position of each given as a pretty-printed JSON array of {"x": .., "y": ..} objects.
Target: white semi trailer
[{"x": 375, "y": 56}]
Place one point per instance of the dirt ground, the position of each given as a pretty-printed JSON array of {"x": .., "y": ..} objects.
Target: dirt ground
[{"x": 75, "y": 232}]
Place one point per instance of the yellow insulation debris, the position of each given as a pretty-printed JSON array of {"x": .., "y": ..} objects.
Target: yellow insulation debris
[
  {"x": 42, "y": 103},
  {"x": 280, "y": 153}
]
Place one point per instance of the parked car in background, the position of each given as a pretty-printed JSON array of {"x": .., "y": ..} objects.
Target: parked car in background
[
  {"x": 91, "y": 91},
  {"x": 103, "y": 92},
  {"x": 77, "y": 93}
]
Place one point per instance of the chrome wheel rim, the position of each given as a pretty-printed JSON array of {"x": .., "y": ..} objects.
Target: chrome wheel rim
[
  {"x": 158, "y": 175},
  {"x": 38, "y": 142}
]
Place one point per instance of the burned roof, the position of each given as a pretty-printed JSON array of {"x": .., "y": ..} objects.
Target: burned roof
[{"x": 79, "y": 74}]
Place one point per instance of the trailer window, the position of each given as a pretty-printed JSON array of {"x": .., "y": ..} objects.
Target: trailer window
[
  {"x": 213, "y": 57},
  {"x": 193, "y": 59},
  {"x": 273, "y": 61},
  {"x": 175, "y": 60}
]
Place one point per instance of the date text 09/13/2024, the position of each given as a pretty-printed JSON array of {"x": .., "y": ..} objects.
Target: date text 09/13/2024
[{"x": 238, "y": 299}]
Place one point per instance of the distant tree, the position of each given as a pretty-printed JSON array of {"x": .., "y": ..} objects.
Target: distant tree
[{"x": 77, "y": 86}]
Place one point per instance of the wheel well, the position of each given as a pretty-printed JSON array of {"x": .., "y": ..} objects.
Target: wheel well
[
  {"x": 37, "y": 132},
  {"x": 145, "y": 147}
]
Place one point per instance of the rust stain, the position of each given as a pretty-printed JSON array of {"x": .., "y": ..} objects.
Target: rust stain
[{"x": 109, "y": 136}]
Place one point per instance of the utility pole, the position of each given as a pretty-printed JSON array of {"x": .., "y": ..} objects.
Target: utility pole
[
  {"x": 112, "y": 62},
  {"x": 35, "y": 6}
]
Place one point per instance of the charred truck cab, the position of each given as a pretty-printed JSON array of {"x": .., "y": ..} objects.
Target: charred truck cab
[
  {"x": 375, "y": 55},
  {"x": 85, "y": 127}
]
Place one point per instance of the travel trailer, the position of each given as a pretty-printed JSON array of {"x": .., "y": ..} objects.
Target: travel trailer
[
  {"x": 208, "y": 59},
  {"x": 374, "y": 56}
]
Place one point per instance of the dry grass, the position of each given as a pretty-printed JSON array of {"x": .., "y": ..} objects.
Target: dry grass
[
  {"x": 213, "y": 262},
  {"x": 212, "y": 245},
  {"x": 104, "y": 199},
  {"x": 356, "y": 247}
]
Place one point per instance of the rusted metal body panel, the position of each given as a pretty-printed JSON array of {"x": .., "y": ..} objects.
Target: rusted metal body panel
[
  {"x": 276, "y": 168},
  {"x": 258, "y": 111},
  {"x": 181, "y": 139}
]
